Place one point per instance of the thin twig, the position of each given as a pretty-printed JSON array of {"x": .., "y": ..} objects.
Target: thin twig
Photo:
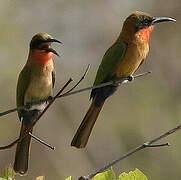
[
  {"x": 81, "y": 79},
  {"x": 157, "y": 145},
  {"x": 119, "y": 81},
  {"x": 51, "y": 102},
  {"x": 148, "y": 144},
  {"x": 36, "y": 120},
  {"x": 10, "y": 145},
  {"x": 41, "y": 141}
]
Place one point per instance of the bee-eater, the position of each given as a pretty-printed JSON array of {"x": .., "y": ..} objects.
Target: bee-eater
[
  {"x": 122, "y": 59},
  {"x": 35, "y": 82}
]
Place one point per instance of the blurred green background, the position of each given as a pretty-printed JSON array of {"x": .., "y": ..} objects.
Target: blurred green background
[{"x": 136, "y": 113}]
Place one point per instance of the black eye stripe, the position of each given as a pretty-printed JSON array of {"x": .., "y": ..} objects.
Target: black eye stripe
[
  {"x": 147, "y": 21},
  {"x": 143, "y": 24},
  {"x": 36, "y": 43}
]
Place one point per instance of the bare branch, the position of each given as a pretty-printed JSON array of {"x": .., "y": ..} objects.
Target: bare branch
[
  {"x": 41, "y": 141},
  {"x": 81, "y": 79},
  {"x": 36, "y": 120},
  {"x": 70, "y": 92},
  {"x": 118, "y": 81},
  {"x": 148, "y": 144},
  {"x": 10, "y": 145},
  {"x": 157, "y": 145},
  {"x": 50, "y": 100}
]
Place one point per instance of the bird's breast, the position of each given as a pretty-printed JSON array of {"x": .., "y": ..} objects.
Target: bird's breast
[
  {"x": 132, "y": 59},
  {"x": 40, "y": 85}
]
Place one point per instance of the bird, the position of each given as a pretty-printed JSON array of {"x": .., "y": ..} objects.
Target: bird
[
  {"x": 121, "y": 60},
  {"x": 35, "y": 82}
]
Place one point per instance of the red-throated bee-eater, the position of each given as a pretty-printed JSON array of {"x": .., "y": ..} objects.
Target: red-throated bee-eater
[
  {"x": 35, "y": 82},
  {"x": 122, "y": 59}
]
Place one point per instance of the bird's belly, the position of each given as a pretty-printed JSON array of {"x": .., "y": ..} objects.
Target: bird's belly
[
  {"x": 39, "y": 88},
  {"x": 132, "y": 60}
]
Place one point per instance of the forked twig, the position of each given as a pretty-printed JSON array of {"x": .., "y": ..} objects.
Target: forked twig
[
  {"x": 43, "y": 100},
  {"x": 81, "y": 79},
  {"x": 36, "y": 120},
  {"x": 51, "y": 100},
  {"x": 58, "y": 95},
  {"x": 118, "y": 81},
  {"x": 148, "y": 144}
]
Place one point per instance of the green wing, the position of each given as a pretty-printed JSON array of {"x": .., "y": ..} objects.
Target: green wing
[
  {"x": 23, "y": 82},
  {"x": 109, "y": 62}
]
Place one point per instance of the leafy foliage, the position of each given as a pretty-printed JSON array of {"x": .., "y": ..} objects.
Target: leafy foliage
[
  {"x": 9, "y": 174},
  {"x": 40, "y": 178},
  {"x": 69, "y": 178},
  {"x": 110, "y": 175},
  {"x": 132, "y": 175},
  {"x": 107, "y": 175}
]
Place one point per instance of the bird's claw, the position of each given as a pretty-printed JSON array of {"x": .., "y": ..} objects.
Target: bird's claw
[
  {"x": 49, "y": 99},
  {"x": 28, "y": 106},
  {"x": 130, "y": 78}
]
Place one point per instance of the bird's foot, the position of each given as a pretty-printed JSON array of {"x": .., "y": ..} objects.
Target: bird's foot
[
  {"x": 49, "y": 99},
  {"x": 28, "y": 106},
  {"x": 130, "y": 78}
]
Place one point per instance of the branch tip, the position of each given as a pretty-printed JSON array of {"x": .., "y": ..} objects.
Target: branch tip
[
  {"x": 156, "y": 145},
  {"x": 70, "y": 92},
  {"x": 41, "y": 141},
  {"x": 81, "y": 79},
  {"x": 136, "y": 149}
]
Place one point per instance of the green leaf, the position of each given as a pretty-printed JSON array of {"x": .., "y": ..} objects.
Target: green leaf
[
  {"x": 8, "y": 174},
  {"x": 107, "y": 175},
  {"x": 133, "y": 175},
  {"x": 40, "y": 178},
  {"x": 69, "y": 178}
]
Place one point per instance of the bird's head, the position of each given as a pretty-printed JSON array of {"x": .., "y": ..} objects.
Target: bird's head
[
  {"x": 143, "y": 22},
  {"x": 41, "y": 43}
]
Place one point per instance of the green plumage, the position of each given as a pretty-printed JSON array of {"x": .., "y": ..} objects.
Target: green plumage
[
  {"x": 107, "y": 68},
  {"x": 112, "y": 57},
  {"x": 122, "y": 59},
  {"x": 23, "y": 82}
]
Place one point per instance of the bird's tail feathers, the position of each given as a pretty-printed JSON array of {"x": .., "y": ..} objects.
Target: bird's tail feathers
[
  {"x": 82, "y": 135},
  {"x": 23, "y": 147},
  {"x": 22, "y": 152}
]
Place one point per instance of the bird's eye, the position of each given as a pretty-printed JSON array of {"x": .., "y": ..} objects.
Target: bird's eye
[
  {"x": 44, "y": 46},
  {"x": 146, "y": 21}
]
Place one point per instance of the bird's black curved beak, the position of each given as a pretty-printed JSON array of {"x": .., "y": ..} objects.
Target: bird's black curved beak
[
  {"x": 53, "y": 40},
  {"x": 50, "y": 49},
  {"x": 162, "y": 19}
]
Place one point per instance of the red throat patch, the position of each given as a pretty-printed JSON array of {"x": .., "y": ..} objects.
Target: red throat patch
[
  {"x": 42, "y": 57},
  {"x": 145, "y": 33}
]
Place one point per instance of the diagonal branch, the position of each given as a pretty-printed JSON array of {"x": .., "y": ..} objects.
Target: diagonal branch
[
  {"x": 41, "y": 141},
  {"x": 36, "y": 120},
  {"x": 81, "y": 79},
  {"x": 58, "y": 95},
  {"x": 118, "y": 81},
  {"x": 70, "y": 92},
  {"x": 50, "y": 100},
  {"x": 43, "y": 100},
  {"x": 148, "y": 144}
]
